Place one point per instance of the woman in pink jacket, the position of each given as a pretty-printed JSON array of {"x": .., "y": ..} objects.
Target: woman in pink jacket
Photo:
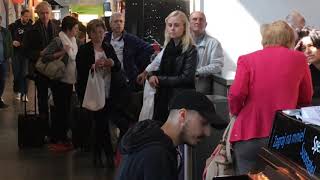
[{"x": 271, "y": 79}]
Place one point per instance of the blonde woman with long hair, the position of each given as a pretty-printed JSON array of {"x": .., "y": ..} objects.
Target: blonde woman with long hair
[{"x": 178, "y": 64}]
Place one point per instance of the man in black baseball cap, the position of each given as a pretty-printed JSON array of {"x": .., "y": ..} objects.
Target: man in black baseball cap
[
  {"x": 150, "y": 150},
  {"x": 196, "y": 101}
]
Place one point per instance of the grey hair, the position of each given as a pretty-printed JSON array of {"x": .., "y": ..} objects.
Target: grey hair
[
  {"x": 293, "y": 16},
  {"x": 42, "y": 5},
  {"x": 116, "y": 14}
]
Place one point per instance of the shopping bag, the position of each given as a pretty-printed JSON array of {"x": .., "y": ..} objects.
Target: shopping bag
[
  {"x": 148, "y": 102},
  {"x": 94, "y": 96},
  {"x": 220, "y": 161},
  {"x": 54, "y": 69}
]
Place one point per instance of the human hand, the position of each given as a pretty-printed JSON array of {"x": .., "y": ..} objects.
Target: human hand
[
  {"x": 99, "y": 63},
  {"x": 66, "y": 48},
  {"x": 141, "y": 77},
  {"x": 16, "y": 43},
  {"x": 108, "y": 62},
  {"x": 154, "y": 81}
]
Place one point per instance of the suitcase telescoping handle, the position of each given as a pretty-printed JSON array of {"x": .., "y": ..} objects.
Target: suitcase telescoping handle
[{"x": 35, "y": 102}]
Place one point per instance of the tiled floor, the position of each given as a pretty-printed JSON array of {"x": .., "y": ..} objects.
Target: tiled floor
[{"x": 34, "y": 164}]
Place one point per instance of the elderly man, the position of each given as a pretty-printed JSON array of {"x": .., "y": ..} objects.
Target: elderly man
[
  {"x": 297, "y": 22},
  {"x": 35, "y": 40},
  {"x": 6, "y": 52},
  {"x": 133, "y": 53},
  {"x": 210, "y": 53},
  {"x": 150, "y": 150}
]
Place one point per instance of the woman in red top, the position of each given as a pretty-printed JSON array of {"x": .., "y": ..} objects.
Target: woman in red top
[{"x": 271, "y": 79}]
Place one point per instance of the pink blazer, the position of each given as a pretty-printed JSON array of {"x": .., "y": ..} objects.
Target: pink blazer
[{"x": 271, "y": 79}]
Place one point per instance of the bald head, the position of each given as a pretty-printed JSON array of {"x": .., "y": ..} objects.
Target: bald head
[
  {"x": 296, "y": 20},
  {"x": 198, "y": 23}
]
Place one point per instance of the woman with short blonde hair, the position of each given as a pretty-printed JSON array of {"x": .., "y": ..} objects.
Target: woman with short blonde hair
[
  {"x": 277, "y": 33},
  {"x": 273, "y": 78}
]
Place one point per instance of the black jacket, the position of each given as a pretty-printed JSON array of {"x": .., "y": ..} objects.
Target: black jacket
[
  {"x": 136, "y": 55},
  {"x": 315, "y": 74},
  {"x": 184, "y": 71},
  {"x": 148, "y": 154},
  {"x": 38, "y": 38},
  {"x": 84, "y": 60},
  {"x": 181, "y": 77},
  {"x": 18, "y": 30}
]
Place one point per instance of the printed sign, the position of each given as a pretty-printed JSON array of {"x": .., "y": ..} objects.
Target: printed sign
[{"x": 297, "y": 141}]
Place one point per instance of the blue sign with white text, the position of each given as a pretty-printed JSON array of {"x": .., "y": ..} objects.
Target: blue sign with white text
[{"x": 297, "y": 141}]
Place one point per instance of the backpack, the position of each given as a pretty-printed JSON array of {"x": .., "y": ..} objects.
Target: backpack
[{"x": 220, "y": 161}]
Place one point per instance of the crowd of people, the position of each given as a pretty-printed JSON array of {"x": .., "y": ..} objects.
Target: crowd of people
[{"x": 274, "y": 78}]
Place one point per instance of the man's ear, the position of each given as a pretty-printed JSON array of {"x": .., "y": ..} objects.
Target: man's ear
[{"x": 182, "y": 116}]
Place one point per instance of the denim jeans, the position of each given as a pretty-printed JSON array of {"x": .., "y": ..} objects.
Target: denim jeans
[
  {"x": 3, "y": 76},
  {"x": 19, "y": 69}
]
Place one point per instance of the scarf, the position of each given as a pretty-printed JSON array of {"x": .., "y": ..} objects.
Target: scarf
[
  {"x": 72, "y": 43},
  {"x": 168, "y": 62}
]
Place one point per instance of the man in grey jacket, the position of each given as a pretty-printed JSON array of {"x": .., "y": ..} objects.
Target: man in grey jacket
[{"x": 210, "y": 53}]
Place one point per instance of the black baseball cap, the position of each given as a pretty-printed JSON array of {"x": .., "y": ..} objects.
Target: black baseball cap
[{"x": 192, "y": 100}]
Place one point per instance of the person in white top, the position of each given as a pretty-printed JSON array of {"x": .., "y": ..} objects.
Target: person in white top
[
  {"x": 64, "y": 46},
  {"x": 99, "y": 56}
]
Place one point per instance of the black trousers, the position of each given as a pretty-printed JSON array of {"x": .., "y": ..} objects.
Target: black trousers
[
  {"x": 61, "y": 93},
  {"x": 43, "y": 84},
  {"x": 102, "y": 140},
  {"x": 246, "y": 155}
]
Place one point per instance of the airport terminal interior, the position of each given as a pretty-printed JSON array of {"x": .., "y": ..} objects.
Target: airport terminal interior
[{"x": 273, "y": 122}]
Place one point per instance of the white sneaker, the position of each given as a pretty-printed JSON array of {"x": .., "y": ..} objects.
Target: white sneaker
[
  {"x": 17, "y": 96},
  {"x": 24, "y": 98}
]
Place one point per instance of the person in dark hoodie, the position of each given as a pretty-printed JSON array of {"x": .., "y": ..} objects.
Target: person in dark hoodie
[
  {"x": 19, "y": 61},
  {"x": 150, "y": 150}
]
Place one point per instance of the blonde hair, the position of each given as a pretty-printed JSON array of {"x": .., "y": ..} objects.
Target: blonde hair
[
  {"x": 277, "y": 33},
  {"x": 41, "y": 5},
  {"x": 93, "y": 24},
  {"x": 186, "y": 39}
]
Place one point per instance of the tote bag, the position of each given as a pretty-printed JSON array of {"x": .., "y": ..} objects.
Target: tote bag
[
  {"x": 94, "y": 96},
  {"x": 220, "y": 161},
  {"x": 54, "y": 69},
  {"x": 148, "y": 102}
]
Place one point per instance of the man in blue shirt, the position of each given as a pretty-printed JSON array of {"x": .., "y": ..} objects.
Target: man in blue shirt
[{"x": 6, "y": 52}]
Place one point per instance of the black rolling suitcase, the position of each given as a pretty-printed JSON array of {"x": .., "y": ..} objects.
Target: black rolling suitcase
[
  {"x": 31, "y": 128},
  {"x": 81, "y": 130}
]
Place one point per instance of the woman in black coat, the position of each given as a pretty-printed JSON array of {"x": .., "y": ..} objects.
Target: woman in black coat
[
  {"x": 178, "y": 64},
  {"x": 99, "y": 55}
]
